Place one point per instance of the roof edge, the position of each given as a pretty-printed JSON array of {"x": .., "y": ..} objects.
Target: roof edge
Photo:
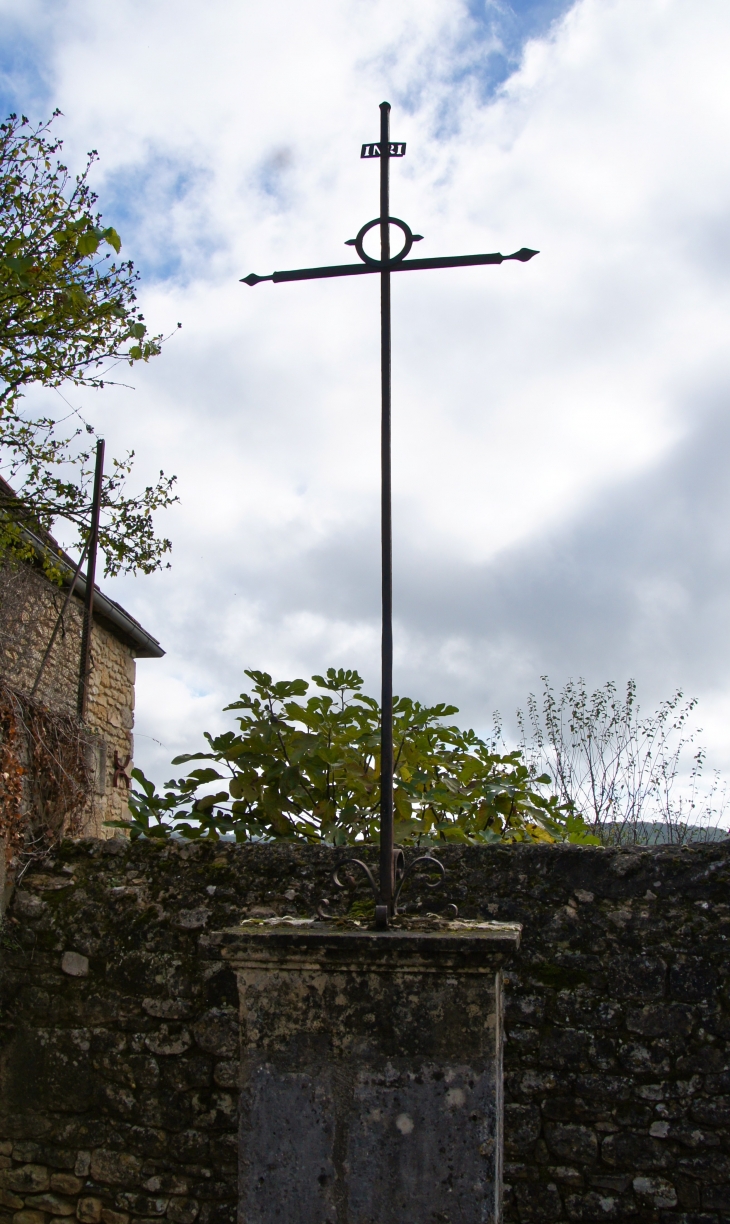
[{"x": 119, "y": 622}]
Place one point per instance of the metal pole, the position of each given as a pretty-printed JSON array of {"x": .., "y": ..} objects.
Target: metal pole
[
  {"x": 59, "y": 620},
  {"x": 85, "y": 663},
  {"x": 386, "y": 703}
]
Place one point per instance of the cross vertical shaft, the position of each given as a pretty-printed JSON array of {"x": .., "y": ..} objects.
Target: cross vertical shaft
[
  {"x": 392, "y": 870},
  {"x": 386, "y": 702}
]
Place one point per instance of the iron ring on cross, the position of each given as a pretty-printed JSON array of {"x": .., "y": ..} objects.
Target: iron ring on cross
[{"x": 410, "y": 238}]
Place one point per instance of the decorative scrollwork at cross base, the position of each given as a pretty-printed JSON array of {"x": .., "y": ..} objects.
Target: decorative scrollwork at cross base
[{"x": 402, "y": 872}]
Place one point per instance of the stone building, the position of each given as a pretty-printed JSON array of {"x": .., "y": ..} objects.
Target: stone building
[{"x": 30, "y": 605}]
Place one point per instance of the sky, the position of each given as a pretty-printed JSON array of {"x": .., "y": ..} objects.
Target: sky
[{"x": 561, "y": 428}]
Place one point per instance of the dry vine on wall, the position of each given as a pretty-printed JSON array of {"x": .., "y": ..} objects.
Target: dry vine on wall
[
  {"x": 11, "y": 780},
  {"x": 45, "y": 775}
]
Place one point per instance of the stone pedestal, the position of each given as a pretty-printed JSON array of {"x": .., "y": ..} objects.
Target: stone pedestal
[{"x": 371, "y": 1073}]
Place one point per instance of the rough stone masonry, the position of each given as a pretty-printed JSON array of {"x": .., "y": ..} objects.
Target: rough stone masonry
[
  {"x": 120, "y": 1046},
  {"x": 29, "y": 606}
]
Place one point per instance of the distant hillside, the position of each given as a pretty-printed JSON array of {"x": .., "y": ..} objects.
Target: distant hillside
[{"x": 645, "y": 833}]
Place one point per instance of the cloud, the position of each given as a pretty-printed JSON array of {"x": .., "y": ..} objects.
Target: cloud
[{"x": 559, "y": 427}]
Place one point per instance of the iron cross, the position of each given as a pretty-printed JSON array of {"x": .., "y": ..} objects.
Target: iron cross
[{"x": 391, "y": 859}]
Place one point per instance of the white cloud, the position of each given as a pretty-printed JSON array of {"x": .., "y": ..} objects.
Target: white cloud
[{"x": 551, "y": 420}]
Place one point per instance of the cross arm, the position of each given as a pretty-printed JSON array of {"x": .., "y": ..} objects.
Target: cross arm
[{"x": 405, "y": 265}]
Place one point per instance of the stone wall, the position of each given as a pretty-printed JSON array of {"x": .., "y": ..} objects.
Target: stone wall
[
  {"x": 119, "y": 1039},
  {"x": 29, "y": 607}
]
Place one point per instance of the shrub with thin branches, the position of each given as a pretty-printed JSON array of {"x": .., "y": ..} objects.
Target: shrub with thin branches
[{"x": 633, "y": 777}]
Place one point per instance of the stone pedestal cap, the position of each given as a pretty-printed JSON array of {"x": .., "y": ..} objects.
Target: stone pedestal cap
[{"x": 414, "y": 945}]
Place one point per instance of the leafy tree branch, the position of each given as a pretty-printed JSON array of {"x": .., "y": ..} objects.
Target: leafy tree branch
[
  {"x": 53, "y": 479},
  {"x": 66, "y": 307},
  {"x": 310, "y": 771},
  {"x": 68, "y": 313}
]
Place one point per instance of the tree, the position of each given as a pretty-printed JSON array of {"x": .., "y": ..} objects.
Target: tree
[
  {"x": 68, "y": 313},
  {"x": 310, "y": 771},
  {"x": 631, "y": 776},
  {"x": 53, "y": 479}
]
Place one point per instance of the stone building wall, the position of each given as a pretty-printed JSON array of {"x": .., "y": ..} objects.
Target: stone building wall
[
  {"x": 110, "y": 713},
  {"x": 29, "y": 607},
  {"x": 119, "y": 1037}
]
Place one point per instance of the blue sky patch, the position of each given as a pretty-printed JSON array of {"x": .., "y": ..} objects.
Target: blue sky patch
[
  {"x": 489, "y": 49},
  {"x": 24, "y": 84},
  {"x": 500, "y": 30}
]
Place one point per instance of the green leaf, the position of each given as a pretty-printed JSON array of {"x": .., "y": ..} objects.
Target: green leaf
[
  {"x": 205, "y": 775},
  {"x": 111, "y": 236},
  {"x": 88, "y": 243},
  {"x": 18, "y": 264},
  {"x": 192, "y": 756}
]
